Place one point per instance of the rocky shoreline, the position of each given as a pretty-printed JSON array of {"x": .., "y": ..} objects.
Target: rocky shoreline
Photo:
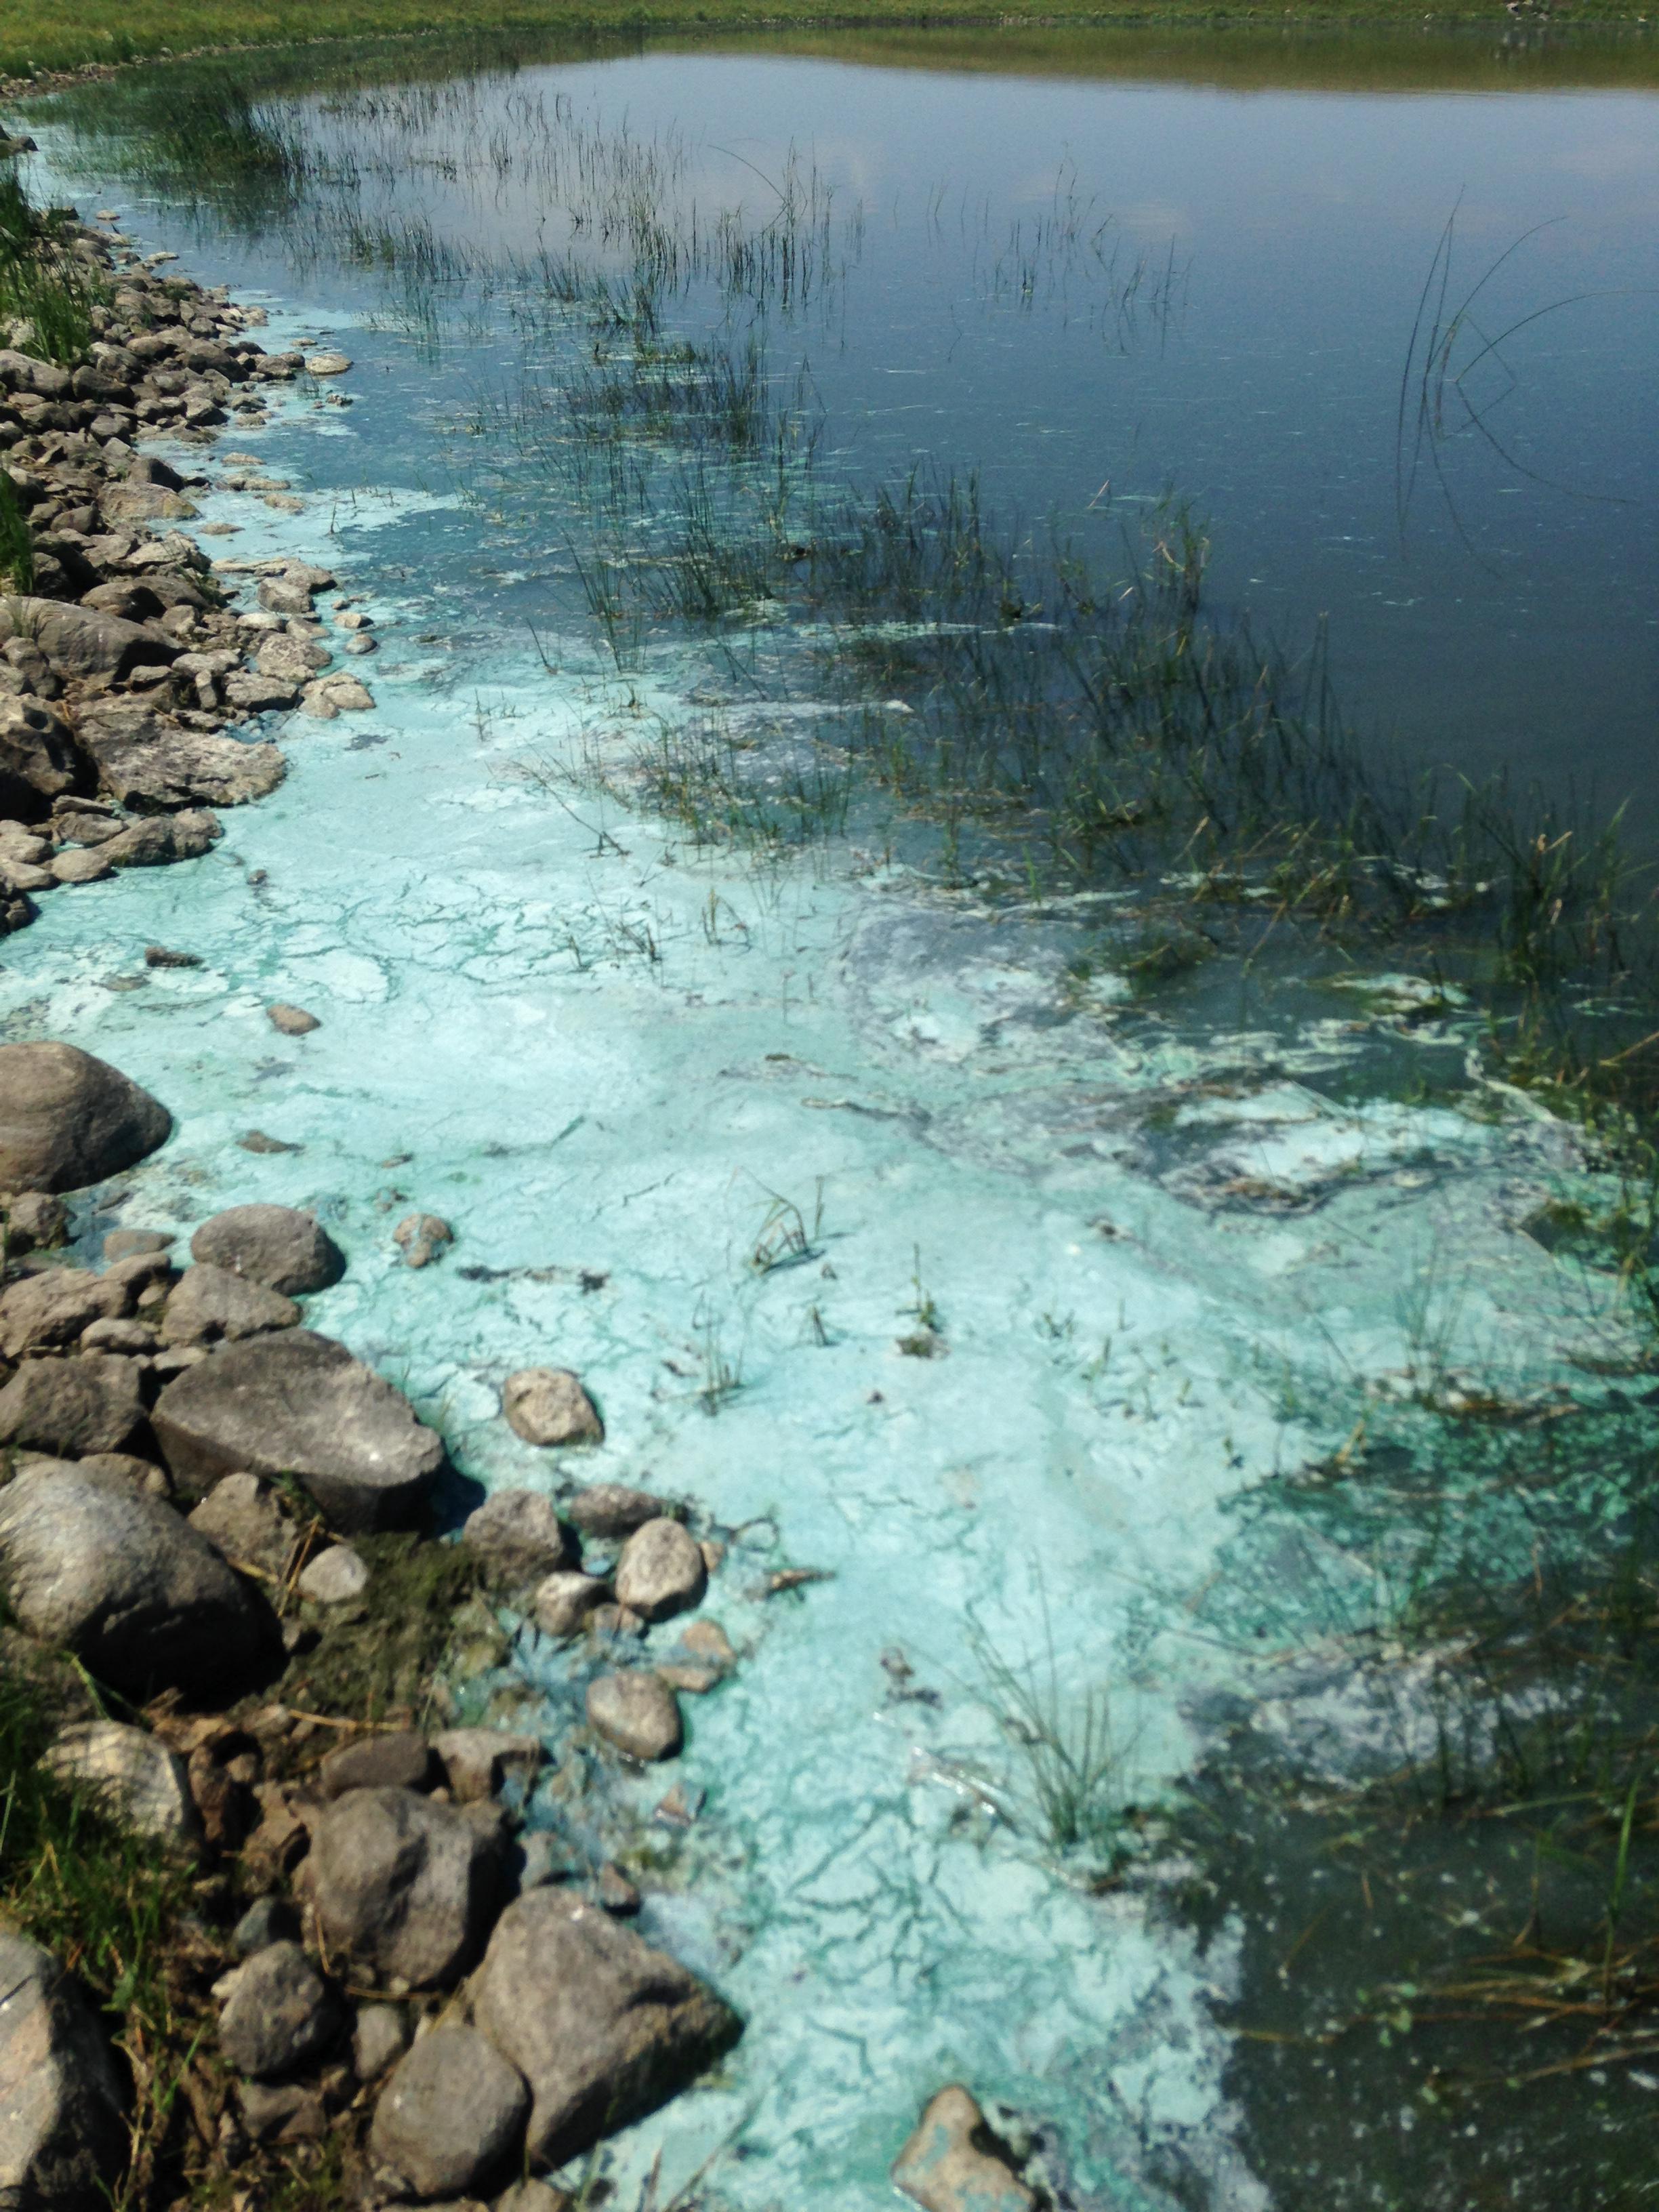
[{"x": 218, "y": 1558}]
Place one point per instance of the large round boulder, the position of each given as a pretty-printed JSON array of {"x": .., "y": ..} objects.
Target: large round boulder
[
  {"x": 63, "y": 2134},
  {"x": 299, "y": 1404},
  {"x": 279, "y": 1246},
  {"x": 452, "y": 2117},
  {"x": 403, "y": 1884},
  {"x": 67, "y": 1120},
  {"x": 604, "y": 2028},
  {"x": 117, "y": 1577}
]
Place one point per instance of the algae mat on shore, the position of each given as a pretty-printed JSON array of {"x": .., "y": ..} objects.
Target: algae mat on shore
[{"x": 1061, "y": 1313}]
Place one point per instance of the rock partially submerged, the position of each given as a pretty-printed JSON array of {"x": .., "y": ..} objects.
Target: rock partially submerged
[
  {"x": 67, "y": 1120},
  {"x": 63, "y": 2132},
  {"x": 518, "y": 1538},
  {"x": 549, "y": 1406},
  {"x": 278, "y": 1246},
  {"x": 635, "y": 1710},
  {"x": 299, "y": 1404},
  {"x": 604, "y": 2028},
  {"x": 955, "y": 2163},
  {"x": 661, "y": 1571}
]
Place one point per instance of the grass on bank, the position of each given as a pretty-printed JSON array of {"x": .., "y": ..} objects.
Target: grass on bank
[
  {"x": 40, "y": 35},
  {"x": 113, "y": 1908}
]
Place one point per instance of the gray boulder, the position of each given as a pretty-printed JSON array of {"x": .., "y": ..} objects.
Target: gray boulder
[
  {"x": 291, "y": 659},
  {"x": 518, "y": 1538},
  {"x": 67, "y": 1120},
  {"x": 209, "y": 1305},
  {"x": 39, "y": 760},
  {"x": 339, "y": 1576},
  {"x": 661, "y": 1572},
  {"x": 379, "y": 2039},
  {"x": 404, "y": 1884},
  {"x": 72, "y": 1408},
  {"x": 561, "y": 1603},
  {"x": 48, "y": 1311},
  {"x": 147, "y": 761},
  {"x": 62, "y": 2135},
  {"x": 610, "y": 1510},
  {"x": 275, "y": 1245},
  {"x": 299, "y": 1404},
  {"x": 278, "y": 2013},
  {"x": 638, "y": 1712},
  {"x": 155, "y": 841},
  {"x": 452, "y": 2117},
  {"x": 137, "y": 1782},
  {"x": 604, "y": 2028},
  {"x": 117, "y": 1578},
  {"x": 82, "y": 641}
]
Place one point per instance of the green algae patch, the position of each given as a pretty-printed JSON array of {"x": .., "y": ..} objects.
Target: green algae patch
[{"x": 380, "y": 1658}]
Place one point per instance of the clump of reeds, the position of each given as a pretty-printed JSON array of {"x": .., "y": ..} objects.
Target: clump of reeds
[{"x": 44, "y": 286}]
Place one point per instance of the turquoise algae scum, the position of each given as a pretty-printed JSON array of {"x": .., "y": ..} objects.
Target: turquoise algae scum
[{"x": 888, "y": 1220}]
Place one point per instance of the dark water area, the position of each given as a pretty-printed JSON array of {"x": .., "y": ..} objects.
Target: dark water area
[{"x": 1383, "y": 311}]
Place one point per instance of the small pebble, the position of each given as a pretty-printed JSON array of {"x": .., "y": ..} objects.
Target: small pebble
[
  {"x": 334, "y": 1576},
  {"x": 423, "y": 1237}
]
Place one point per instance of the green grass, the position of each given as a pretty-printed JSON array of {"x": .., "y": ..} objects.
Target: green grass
[
  {"x": 110, "y": 1907},
  {"x": 43, "y": 284},
  {"x": 40, "y": 35}
]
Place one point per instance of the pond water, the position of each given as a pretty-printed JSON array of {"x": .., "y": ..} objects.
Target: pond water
[{"x": 945, "y": 1244}]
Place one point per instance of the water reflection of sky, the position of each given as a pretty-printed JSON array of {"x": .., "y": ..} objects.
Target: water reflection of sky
[{"x": 1510, "y": 626}]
